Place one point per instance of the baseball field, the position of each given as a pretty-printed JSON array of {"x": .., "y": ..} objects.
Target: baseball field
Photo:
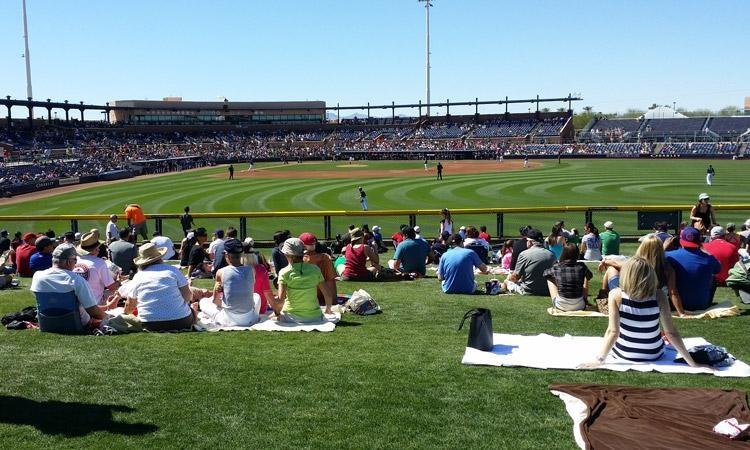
[
  {"x": 402, "y": 185},
  {"x": 392, "y": 380}
]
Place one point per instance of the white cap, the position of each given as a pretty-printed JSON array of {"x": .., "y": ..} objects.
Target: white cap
[
  {"x": 417, "y": 229},
  {"x": 608, "y": 224},
  {"x": 375, "y": 228},
  {"x": 249, "y": 241},
  {"x": 718, "y": 231},
  {"x": 747, "y": 223},
  {"x": 703, "y": 196},
  {"x": 462, "y": 228}
]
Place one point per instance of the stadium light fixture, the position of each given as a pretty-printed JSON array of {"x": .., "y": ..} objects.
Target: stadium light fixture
[
  {"x": 26, "y": 52},
  {"x": 427, "y": 6}
]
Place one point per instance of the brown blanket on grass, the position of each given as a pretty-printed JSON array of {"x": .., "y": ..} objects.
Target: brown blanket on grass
[{"x": 626, "y": 417}]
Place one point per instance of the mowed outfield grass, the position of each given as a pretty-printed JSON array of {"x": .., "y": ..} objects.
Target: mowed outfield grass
[
  {"x": 572, "y": 183},
  {"x": 393, "y": 380}
]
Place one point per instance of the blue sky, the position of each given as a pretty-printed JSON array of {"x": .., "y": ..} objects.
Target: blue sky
[{"x": 616, "y": 54}]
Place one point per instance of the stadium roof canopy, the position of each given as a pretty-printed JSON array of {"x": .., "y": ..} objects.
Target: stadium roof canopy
[{"x": 663, "y": 112}]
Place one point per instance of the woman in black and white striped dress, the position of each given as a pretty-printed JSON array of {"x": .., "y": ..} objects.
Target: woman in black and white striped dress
[{"x": 635, "y": 310}]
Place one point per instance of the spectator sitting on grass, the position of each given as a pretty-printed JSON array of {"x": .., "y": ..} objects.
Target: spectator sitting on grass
[
  {"x": 298, "y": 285},
  {"x": 160, "y": 292},
  {"x": 610, "y": 240},
  {"x": 556, "y": 240},
  {"x": 568, "y": 281},
  {"x": 591, "y": 244},
  {"x": 472, "y": 238},
  {"x": 122, "y": 252},
  {"x": 60, "y": 278},
  {"x": 378, "y": 239},
  {"x": 357, "y": 254},
  {"x": 694, "y": 271},
  {"x": 42, "y": 259},
  {"x": 733, "y": 237},
  {"x": 411, "y": 254},
  {"x": 635, "y": 336},
  {"x": 277, "y": 258},
  {"x": 652, "y": 250},
  {"x": 528, "y": 276},
  {"x": 322, "y": 261},
  {"x": 724, "y": 252},
  {"x": 94, "y": 269},
  {"x": 23, "y": 255},
  {"x": 483, "y": 234},
  {"x": 199, "y": 266},
  {"x": 233, "y": 303},
  {"x": 660, "y": 231},
  {"x": 456, "y": 268}
]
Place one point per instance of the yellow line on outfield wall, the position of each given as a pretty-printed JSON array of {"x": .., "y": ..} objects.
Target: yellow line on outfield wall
[{"x": 382, "y": 212}]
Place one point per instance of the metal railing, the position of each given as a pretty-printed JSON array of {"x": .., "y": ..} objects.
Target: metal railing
[{"x": 499, "y": 213}]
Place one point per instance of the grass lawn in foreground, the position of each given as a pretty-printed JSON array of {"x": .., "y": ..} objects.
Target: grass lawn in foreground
[
  {"x": 602, "y": 182},
  {"x": 393, "y": 380}
]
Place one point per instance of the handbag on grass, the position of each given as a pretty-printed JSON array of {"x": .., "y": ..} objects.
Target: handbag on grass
[{"x": 480, "y": 329}]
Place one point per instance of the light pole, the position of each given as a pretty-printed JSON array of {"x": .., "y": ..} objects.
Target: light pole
[
  {"x": 427, "y": 6},
  {"x": 26, "y": 53}
]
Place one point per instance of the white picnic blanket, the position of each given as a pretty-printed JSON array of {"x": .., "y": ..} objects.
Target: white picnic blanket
[
  {"x": 723, "y": 309},
  {"x": 568, "y": 352},
  {"x": 269, "y": 324},
  {"x": 264, "y": 324}
]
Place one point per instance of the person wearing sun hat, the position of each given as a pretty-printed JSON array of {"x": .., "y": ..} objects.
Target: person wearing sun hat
[
  {"x": 694, "y": 270},
  {"x": 357, "y": 253},
  {"x": 160, "y": 292},
  {"x": 322, "y": 261},
  {"x": 298, "y": 285},
  {"x": 94, "y": 269},
  {"x": 233, "y": 303}
]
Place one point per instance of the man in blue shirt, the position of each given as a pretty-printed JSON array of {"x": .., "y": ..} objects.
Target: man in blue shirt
[
  {"x": 411, "y": 254},
  {"x": 456, "y": 268},
  {"x": 42, "y": 259},
  {"x": 694, "y": 271}
]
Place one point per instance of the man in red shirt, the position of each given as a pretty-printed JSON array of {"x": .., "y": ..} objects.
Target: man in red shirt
[
  {"x": 23, "y": 255},
  {"x": 725, "y": 252}
]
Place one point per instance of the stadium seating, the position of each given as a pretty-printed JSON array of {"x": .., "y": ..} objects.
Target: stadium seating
[
  {"x": 729, "y": 127},
  {"x": 498, "y": 129},
  {"x": 683, "y": 128}
]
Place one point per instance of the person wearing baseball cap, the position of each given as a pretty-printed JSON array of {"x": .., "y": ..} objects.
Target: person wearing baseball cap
[
  {"x": 322, "y": 261},
  {"x": 725, "y": 252},
  {"x": 60, "y": 278},
  {"x": 702, "y": 214},
  {"x": 528, "y": 276},
  {"x": 24, "y": 253},
  {"x": 298, "y": 285},
  {"x": 377, "y": 238},
  {"x": 233, "y": 304},
  {"x": 42, "y": 259},
  {"x": 694, "y": 271},
  {"x": 610, "y": 239}
]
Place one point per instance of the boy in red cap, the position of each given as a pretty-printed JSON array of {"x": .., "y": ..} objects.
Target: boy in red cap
[
  {"x": 322, "y": 260},
  {"x": 23, "y": 255}
]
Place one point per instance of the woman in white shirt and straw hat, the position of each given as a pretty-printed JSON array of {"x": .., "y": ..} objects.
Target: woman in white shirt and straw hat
[{"x": 160, "y": 292}]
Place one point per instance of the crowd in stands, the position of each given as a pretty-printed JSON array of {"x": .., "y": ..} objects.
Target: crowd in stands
[{"x": 57, "y": 152}]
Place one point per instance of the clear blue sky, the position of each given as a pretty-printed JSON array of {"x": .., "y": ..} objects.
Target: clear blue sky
[{"x": 617, "y": 54}]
